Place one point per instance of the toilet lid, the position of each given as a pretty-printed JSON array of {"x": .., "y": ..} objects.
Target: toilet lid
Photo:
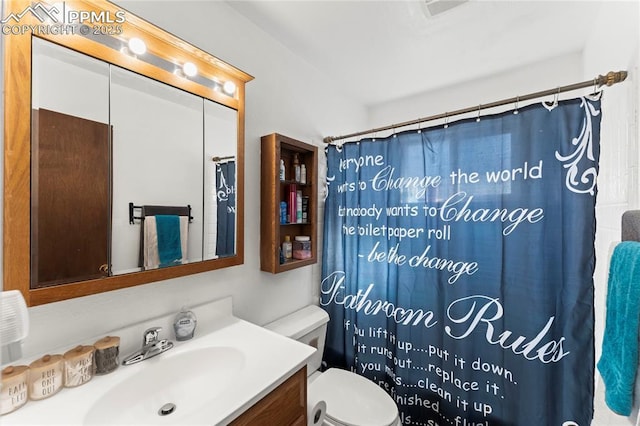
[{"x": 353, "y": 400}]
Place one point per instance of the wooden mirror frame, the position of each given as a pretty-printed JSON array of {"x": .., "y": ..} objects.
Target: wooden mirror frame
[{"x": 17, "y": 138}]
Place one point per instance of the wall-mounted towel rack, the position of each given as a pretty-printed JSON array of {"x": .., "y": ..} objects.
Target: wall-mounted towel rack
[
  {"x": 222, "y": 159},
  {"x": 156, "y": 210}
]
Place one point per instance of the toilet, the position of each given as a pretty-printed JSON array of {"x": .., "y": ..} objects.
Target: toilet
[{"x": 352, "y": 400}]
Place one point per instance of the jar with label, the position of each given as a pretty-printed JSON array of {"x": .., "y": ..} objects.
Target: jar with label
[
  {"x": 106, "y": 355},
  {"x": 78, "y": 366},
  {"x": 184, "y": 325},
  {"x": 45, "y": 376},
  {"x": 14, "y": 388},
  {"x": 302, "y": 247}
]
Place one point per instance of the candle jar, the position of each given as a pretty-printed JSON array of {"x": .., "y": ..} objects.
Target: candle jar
[
  {"x": 14, "y": 388},
  {"x": 45, "y": 376},
  {"x": 106, "y": 355},
  {"x": 78, "y": 366}
]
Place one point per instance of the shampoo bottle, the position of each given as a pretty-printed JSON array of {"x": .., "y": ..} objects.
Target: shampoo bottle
[
  {"x": 184, "y": 325},
  {"x": 299, "y": 207},
  {"x": 303, "y": 173},
  {"x": 296, "y": 168},
  {"x": 287, "y": 247}
]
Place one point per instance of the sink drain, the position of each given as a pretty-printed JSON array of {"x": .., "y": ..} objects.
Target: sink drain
[{"x": 167, "y": 409}]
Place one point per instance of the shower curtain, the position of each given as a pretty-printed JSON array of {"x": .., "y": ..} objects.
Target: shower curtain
[
  {"x": 226, "y": 205},
  {"x": 458, "y": 266}
]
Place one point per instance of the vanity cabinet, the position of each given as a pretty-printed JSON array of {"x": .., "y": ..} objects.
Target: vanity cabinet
[
  {"x": 274, "y": 190},
  {"x": 285, "y": 406}
]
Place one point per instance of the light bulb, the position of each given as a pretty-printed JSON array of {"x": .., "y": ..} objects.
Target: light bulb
[
  {"x": 137, "y": 46},
  {"x": 189, "y": 69},
  {"x": 229, "y": 87}
]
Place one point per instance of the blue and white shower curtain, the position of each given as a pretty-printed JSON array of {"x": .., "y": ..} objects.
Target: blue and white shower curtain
[
  {"x": 458, "y": 266},
  {"x": 226, "y": 208}
]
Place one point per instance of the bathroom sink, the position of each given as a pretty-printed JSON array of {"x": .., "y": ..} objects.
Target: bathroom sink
[
  {"x": 168, "y": 387},
  {"x": 211, "y": 379}
]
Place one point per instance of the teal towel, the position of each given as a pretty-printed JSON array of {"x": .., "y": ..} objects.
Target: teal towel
[
  {"x": 169, "y": 245},
  {"x": 619, "y": 359}
]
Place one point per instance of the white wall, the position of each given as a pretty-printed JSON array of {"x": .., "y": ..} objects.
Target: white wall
[
  {"x": 69, "y": 82},
  {"x": 535, "y": 77},
  {"x": 287, "y": 96},
  {"x": 614, "y": 46},
  {"x": 157, "y": 145}
]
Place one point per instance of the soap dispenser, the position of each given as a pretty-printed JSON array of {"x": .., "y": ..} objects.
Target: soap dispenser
[{"x": 184, "y": 324}]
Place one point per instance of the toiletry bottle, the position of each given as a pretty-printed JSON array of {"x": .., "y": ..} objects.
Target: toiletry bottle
[
  {"x": 282, "y": 170},
  {"x": 303, "y": 173},
  {"x": 296, "y": 168},
  {"x": 283, "y": 212},
  {"x": 287, "y": 247},
  {"x": 299, "y": 207},
  {"x": 305, "y": 209},
  {"x": 184, "y": 324}
]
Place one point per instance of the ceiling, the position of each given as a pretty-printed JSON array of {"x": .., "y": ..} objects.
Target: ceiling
[{"x": 377, "y": 51}]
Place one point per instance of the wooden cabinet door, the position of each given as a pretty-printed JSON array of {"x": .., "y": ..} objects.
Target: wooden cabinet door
[
  {"x": 70, "y": 201},
  {"x": 285, "y": 406}
]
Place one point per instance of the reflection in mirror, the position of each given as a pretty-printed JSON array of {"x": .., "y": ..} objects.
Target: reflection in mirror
[
  {"x": 105, "y": 138},
  {"x": 220, "y": 134},
  {"x": 157, "y": 161},
  {"x": 70, "y": 201}
]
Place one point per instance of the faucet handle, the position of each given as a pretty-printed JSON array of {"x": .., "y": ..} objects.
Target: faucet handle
[{"x": 151, "y": 335}]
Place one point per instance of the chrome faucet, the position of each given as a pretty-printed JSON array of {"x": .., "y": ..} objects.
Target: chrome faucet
[{"x": 152, "y": 345}]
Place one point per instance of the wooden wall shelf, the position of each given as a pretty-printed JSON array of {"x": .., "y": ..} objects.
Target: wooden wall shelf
[{"x": 273, "y": 191}]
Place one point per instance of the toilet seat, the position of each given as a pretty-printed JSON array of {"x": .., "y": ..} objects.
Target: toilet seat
[{"x": 353, "y": 400}]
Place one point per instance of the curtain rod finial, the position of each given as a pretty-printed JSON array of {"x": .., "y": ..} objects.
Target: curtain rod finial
[
  {"x": 612, "y": 78},
  {"x": 328, "y": 139}
]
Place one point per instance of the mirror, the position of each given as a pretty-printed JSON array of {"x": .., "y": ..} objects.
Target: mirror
[
  {"x": 220, "y": 181},
  {"x": 136, "y": 169},
  {"x": 70, "y": 166},
  {"x": 157, "y": 160}
]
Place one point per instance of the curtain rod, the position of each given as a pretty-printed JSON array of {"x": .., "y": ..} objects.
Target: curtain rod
[{"x": 609, "y": 80}]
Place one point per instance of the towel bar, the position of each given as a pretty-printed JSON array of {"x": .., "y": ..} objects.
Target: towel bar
[{"x": 156, "y": 210}]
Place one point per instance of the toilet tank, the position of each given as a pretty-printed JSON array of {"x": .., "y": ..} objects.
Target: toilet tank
[{"x": 307, "y": 325}]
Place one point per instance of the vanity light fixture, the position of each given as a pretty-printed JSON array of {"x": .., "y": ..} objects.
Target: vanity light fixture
[
  {"x": 189, "y": 69},
  {"x": 229, "y": 88},
  {"x": 137, "y": 46}
]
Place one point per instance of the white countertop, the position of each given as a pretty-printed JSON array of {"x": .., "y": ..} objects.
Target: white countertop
[{"x": 269, "y": 359}]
